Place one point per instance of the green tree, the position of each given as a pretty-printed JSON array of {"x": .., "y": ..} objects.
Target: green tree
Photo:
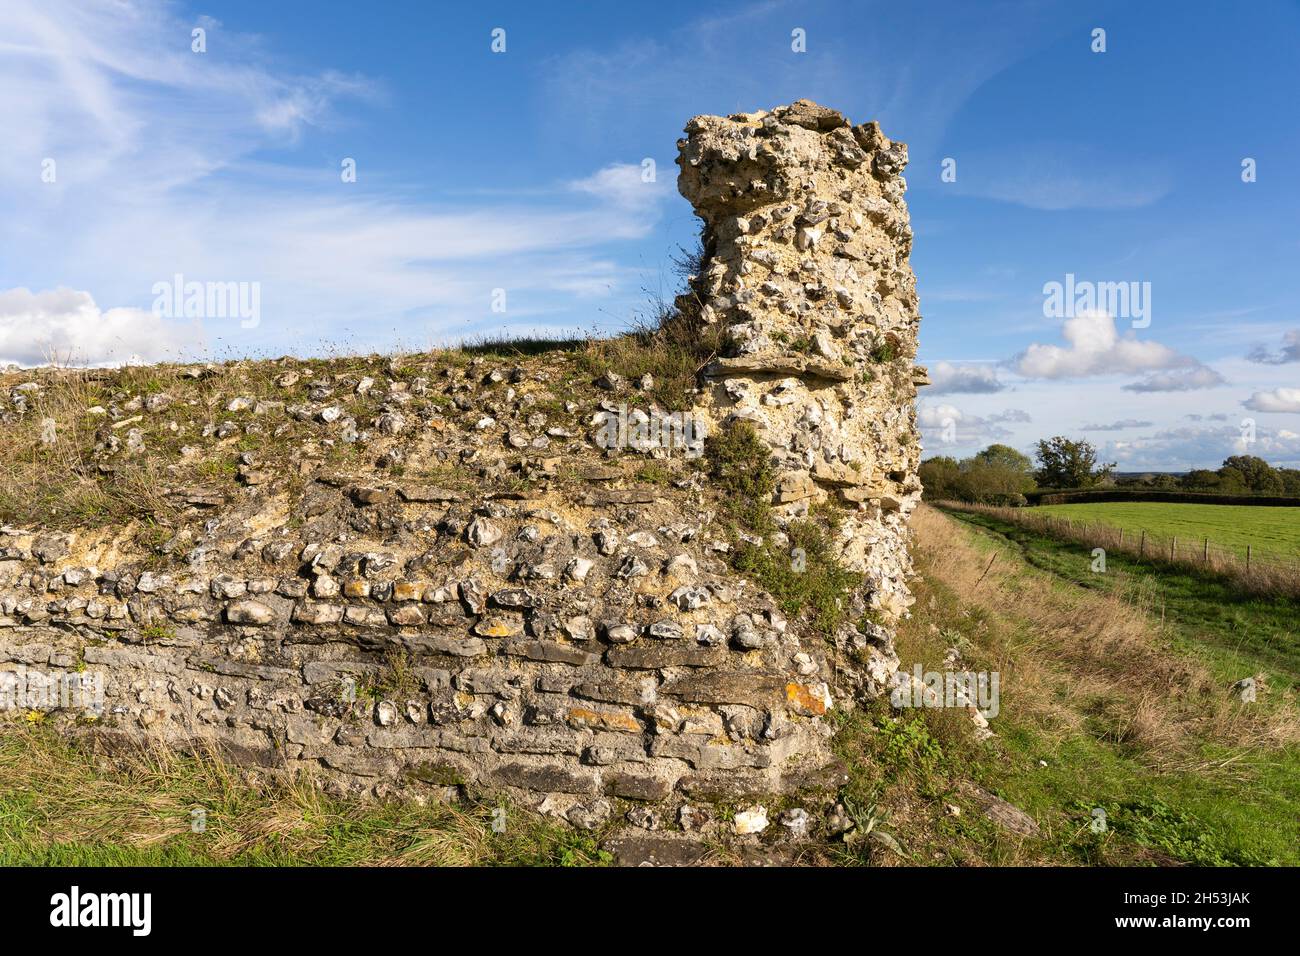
[
  {"x": 1201, "y": 479},
  {"x": 1004, "y": 456},
  {"x": 939, "y": 477},
  {"x": 1232, "y": 481},
  {"x": 1257, "y": 474},
  {"x": 997, "y": 475},
  {"x": 1064, "y": 463}
]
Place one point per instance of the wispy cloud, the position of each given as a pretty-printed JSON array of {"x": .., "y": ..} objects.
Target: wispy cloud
[
  {"x": 1117, "y": 426},
  {"x": 1060, "y": 176},
  {"x": 161, "y": 159},
  {"x": 741, "y": 60},
  {"x": 1181, "y": 380}
]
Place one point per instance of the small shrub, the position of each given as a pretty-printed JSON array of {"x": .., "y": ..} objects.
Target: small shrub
[
  {"x": 740, "y": 466},
  {"x": 807, "y": 579}
]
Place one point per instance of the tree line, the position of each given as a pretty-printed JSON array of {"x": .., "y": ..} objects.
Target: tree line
[{"x": 1000, "y": 475}]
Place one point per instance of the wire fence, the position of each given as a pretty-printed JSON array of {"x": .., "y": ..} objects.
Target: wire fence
[{"x": 1258, "y": 573}]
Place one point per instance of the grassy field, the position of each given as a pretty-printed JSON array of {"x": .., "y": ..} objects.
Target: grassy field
[
  {"x": 1116, "y": 693},
  {"x": 1272, "y": 533}
]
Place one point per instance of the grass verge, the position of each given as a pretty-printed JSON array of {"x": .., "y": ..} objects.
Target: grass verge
[
  {"x": 63, "y": 806},
  {"x": 1103, "y": 707}
]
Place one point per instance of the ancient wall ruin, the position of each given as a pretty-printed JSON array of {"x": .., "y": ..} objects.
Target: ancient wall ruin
[
  {"x": 806, "y": 241},
  {"x": 574, "y": 635}
]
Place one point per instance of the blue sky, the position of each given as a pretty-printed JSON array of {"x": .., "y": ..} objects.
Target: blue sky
[{"x": 521, "y": 171}]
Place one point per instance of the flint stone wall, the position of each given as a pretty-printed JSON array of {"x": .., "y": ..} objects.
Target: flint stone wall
[
  {"x": 806, "y": 244},
  {"x": 573, "y": 650}
]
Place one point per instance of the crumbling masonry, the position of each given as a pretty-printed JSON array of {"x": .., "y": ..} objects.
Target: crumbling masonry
[{"x": 571, "y": 635}]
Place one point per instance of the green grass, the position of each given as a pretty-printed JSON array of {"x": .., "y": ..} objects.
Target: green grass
[
  {"x": 1272, "y": 533},
  {"x": 740, "y": 468},
  {"x": 804, "y": 574},
  {"x": 1211, "y": 804},
  {"x": 1232, "y": 631},
  {"x": 1242, "y": 813},
  {"x": 806, "y": 579}
]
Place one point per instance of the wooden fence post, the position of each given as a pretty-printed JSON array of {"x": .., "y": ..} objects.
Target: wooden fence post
[
  {"x": 1248, "y": 558},
  {"x": 1142, "y": 545},
  {"x": 1173, "y": 547},
  {"x": 1205, "y": 556}
]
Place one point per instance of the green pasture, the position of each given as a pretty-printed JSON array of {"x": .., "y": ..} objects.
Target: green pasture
[{"x": 1272, "y": 533}]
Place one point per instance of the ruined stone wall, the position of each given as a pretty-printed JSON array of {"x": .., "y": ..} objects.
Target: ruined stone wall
[
  {"x": 806, "y": 245},
  {"x": 486, "y": 595}
]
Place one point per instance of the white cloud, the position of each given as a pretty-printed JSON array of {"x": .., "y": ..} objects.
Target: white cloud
[
  {"x": 1018, "y": 415},
  {"x": 1117, "y": 426},
  {"x": 946, "y": 378},
  {"x": 66, "y": 326},
  {"x": 1181, "y": 380},
  {"x": 1059, "y": 176},
  {"x": 624, "y": 185},
  {"x": 947, "y": 428},
  {"x": 1182, "y": 448},
  {"x": 1095, "y": 348},
  {"x": 1277, "y": 400}
]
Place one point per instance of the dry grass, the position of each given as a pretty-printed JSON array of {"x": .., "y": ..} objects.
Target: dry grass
[
  {"x": 40, "y": 478},
  {"x": 1095, "y": 662},
  {"x": 71, "y": 477},
  {"x": 55, "y": 794}
]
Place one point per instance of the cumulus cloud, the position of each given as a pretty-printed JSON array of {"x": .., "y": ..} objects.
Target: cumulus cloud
[
  {"x": 1094, "y": 347},
  {"x": 1276, "y": 400},
  {"x": 1117, "y": 426},
  {"x": 1183, "y": 380},
  {"x": 946, "y": 379},
  {"x": 1189, "y": 447},
  {"x": 1289, "y": 352},
  {"x": 66, "y": 326},
  {"x": 948, "y": 425}
]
